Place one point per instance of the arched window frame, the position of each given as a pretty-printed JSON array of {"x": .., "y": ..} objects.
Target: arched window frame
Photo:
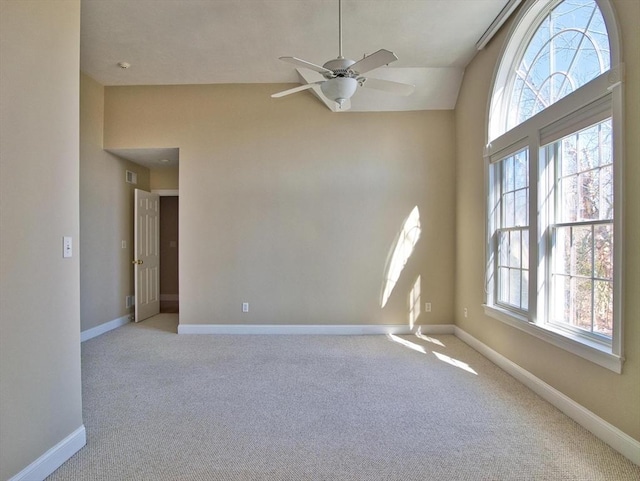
[{"x": 599, "y": 98}]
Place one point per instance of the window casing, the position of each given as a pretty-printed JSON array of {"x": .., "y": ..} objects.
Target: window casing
[{"x": 554, "y": 254}]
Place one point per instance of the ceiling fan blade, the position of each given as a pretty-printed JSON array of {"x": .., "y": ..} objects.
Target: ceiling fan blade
[
  {"x": 303, "y": 63},
  {"x": 295, "y": 89},
  {"x": 387, "y": 86},
  {"x": 373, "y": 61}
]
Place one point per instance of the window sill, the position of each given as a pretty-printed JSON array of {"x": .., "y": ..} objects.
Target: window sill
[{"x": 584, "y": 348}]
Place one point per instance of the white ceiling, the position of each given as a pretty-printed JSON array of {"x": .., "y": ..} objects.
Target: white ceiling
[
  {"x": 161, "y": 158},
  {"x": 239, "y": 41}
]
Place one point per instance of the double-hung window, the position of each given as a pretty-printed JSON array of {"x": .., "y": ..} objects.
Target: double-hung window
[
  {"x": 554, "y": 165},
  {"x": 511, "y": 218}
]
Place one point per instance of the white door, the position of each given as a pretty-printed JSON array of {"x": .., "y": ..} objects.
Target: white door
[{"x": 147, "y": 254}]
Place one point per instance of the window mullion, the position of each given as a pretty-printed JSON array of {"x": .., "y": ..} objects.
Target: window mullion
[{"x": 533, "y": 224}]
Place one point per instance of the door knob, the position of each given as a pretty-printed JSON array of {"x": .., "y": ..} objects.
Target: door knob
[{"x": 139, "y": 261}]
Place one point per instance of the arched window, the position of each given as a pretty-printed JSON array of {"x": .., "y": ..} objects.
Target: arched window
[{"x": 554, "y": 163}]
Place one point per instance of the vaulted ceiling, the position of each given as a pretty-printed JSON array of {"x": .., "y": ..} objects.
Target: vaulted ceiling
[{"x": 239, "y": 41}]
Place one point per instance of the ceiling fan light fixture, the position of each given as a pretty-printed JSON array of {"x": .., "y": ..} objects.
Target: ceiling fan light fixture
[{"x": 339, "y": 89}]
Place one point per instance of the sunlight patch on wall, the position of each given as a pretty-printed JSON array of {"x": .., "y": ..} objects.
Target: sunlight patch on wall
[
  {"x": 400, "y": 253},
  {"x": 414, "y": 303}
]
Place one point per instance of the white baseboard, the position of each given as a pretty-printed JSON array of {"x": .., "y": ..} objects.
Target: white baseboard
[
  {"x": 169, "y": 297},
  {"x": 262, "y": 329},
  {"x": 436, "y": 328},
  {"x": 102, "y": 328},
  {"x": 618, "y": 440},
  {"x": 53, "y": 458}
]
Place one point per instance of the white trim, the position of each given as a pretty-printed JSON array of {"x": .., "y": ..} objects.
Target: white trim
[
  {"x": 53, "y": 458},
  {"x": 169, "y": 297},
  {"x": 591, "y": 351},
  {"x": 614, "y": 437},
  {"x": 106, "y": 327},
  {"x": 314, "y": 329},
  {"x": 502, "y": 17},
  {"x": 166, "y": 192},
  {"x": 436, "y": 328}
]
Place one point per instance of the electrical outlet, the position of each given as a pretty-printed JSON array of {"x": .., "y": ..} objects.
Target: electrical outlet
[
  {"x": 245, "y": 307},
  {"x": 466, "y": 312},
  {"x": 427, "y": 307}
]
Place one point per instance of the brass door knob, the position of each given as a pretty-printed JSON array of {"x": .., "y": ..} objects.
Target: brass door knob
[{"x": 139, "y": 261}]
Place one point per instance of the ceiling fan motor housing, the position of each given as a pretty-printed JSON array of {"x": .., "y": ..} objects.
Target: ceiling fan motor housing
[{"x": 339, "y": 68}]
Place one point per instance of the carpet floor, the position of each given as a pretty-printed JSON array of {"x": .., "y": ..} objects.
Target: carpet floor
[{"x": 158, "y": 406}]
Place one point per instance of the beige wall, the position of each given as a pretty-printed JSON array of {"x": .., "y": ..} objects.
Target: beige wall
[
  {"x": 106, "y": 216},
  {"x": 293, "y": 208},
  {"x": 164, "y": 178},
  {"x": 614, "y": 397},
  {"x": 40, "y": 392}
]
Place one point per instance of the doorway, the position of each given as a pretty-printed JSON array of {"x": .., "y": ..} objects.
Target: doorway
[{"x": 169, "y": 241}]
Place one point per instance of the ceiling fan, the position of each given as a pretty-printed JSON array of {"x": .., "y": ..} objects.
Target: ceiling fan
[{"x": 343, "y": 76}]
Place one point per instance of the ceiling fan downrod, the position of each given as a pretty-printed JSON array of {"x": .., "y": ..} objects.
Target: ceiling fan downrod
[{"x": 340, "y": 29}]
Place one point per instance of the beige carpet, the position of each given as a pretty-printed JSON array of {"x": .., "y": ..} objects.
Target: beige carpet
[{"x": 158, "y": 406}]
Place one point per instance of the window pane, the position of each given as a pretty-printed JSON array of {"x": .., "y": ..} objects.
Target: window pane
[
  {"x": 514, "y": 251},
  {"x": 569, "y": 153},
  {"x": 508, "y": 206},
  {"x": 589, "y": 146},
  {"x": 569, "y": 48},
  {"x": 503, "y": 284},
  {"x": 525, "y": 248},
  {"x": 606, "y": 193},
  {"x": 561, "y": 307},
  {"x": 581, "y": 301},
  {"x": 503, "y": 248},
  {"x": 603, "y": 259},
  {"x": 589, "y": 194},
  {"x": 582, "y": 251},
  {"x": 585, "y": 174},
  {"x": 568, "y": 193},
  {"x": 508, "y": 175},
  {"x": 525, "y": 290},
  {"x": 521, "y": 207},
  {"x": 521, "y": 171},
  {"x": 603, "y": 308},
  {"x": 562, "y": 250},
  {"x": 606, "y": 152},
  {"x": 514, "y": 287}
]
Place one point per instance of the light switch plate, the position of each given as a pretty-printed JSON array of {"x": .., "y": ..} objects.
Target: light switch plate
[{"x": 67, "y": 247}]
